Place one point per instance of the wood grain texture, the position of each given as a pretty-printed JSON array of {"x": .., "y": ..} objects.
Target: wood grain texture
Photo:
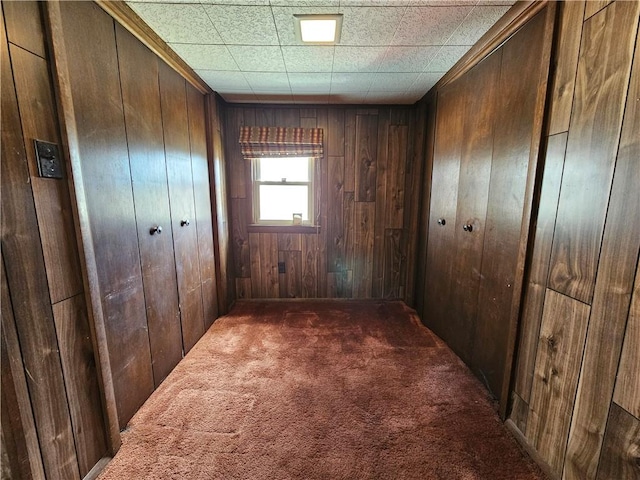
[
  {"x": 202, "y": 201},
  {"x": 175, "y": 123},
  {"x": 109, "y": 199},
  {"x": 519, "y": 412},
  {"x": 335, "y": 227},
  {"x": 398, "y": 145},
  {"x": 336, "y": 133},
  {"x": 310, "y": 265},
  {"x": 366, "y": 155},
  {"x": 393, "y": 263},
  {"x": 289, "y": 241},
  {"x": 515, "y": 149},
  {"x": 51, "y": 196},
  {"x": 473, "y": 193},
  {"x": 562, "y": 336},
  {"x": 601, "y": 86},
  {"x": 444, "y": 193},
  {"x": 621, "y": 450},
  {"x": 18, "y": 425},
  {"x": 536, "y": 280},
  {"x": 611, "y": 298},
  {"x": 264, "y": 265},
  {"x": 594, "y": 6},
  {"x": 364, "y": 219},
  {"x": 569, "y": 32},
  {"x": 290, "y": 282},
  {"x": 350, "y": 150},
  {"x": 24, "y": 26},
  {"x": 143, "y": 120},
  {"x": 628, "y": 380},
  {"x": 81, "y": 381},
  {"x": 27, "y": 286},
  {"x": 243, "y": 288},
  {"x": 383, "y": 163},
  {"x": 240, "y": 218},
  {"x": 236, "y": 164}
]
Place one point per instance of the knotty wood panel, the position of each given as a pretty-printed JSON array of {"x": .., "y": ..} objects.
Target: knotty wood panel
[
  {"x": 473, "y": 194},
  {"x": 202, "y": 198},
  {"x": 514, "y": 148},
  {"x": 27, "y": 286},
  {"x": 393, "y": 263},
  {"x": 364, "y": 218},
  {"x": 236, "y": 165},
  {"x": 18, "y": 425},
  {"x": 181, "y": 197},
  {"x": 240, "y": 218},
  {"x": 621, "y": 448},
  {"x": 395, "y": 178},
  {"x": 291, "y": 281},
  {"x": 612, "y": 294},
  {"x": 336, "y": 133},
  {"x": 264, "y": 265},
  {"x": 107, "y": 181},
  {"x": 51, "y": 196},
  {"x": 289, "y": 241},
  {"x": 533, "y": 301},
  {"x": 81, "y": 381},
  {"x": 310, "y": 263},
  {"x": 601, "y": 87},
  {"x": 143, "y": 119},
  {"x": 628, "y": 380},
  {"x": 350, "y": 150},
  {"x": 382, "y": 165},
  {"x": 243, "y": 288},
  {"x": 566, "y": 59},
  {"x": 444, "y": 194},
  {"x": 562, "y": 335},
  {"x": 366, "y": 155},
  {"x": 322, "y": 173},
  {"x": 24, "y": 26}
]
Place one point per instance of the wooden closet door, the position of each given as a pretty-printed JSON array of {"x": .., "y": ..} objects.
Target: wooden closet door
[
  {"x": 175, "y": 122},
  {"x": 481, "y": 89},
  {"x": 518, "y": 117},
  {"x": 442, "y": 221},
  {"x": 143, "y": 119}
]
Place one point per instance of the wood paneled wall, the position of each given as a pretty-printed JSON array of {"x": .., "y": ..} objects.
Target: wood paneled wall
[
  {"x": 52, "y": 421},
  {"x": 367, "y": 186},
  {"x": 576, "y": 390}
]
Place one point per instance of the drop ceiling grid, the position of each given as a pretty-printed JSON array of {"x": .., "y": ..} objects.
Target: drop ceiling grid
[{"x": 391, "y": 51}]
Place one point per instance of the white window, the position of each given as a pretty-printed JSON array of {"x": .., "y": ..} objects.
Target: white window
[{"x": 283, "y": 190}]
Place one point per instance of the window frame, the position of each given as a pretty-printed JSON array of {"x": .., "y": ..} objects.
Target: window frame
[{"x": 255, "y": 188}]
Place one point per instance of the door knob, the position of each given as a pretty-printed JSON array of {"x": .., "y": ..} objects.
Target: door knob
[
  {"x": 154, "y": 230},
  {"x": 442, "y": 222},
  {"x": 468, "y": 227},
  {"x": 184, "y": 223}
]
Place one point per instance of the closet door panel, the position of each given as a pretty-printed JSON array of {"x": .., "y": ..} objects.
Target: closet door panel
[
  {"x": 481, "y": 85},
  {"x": 141, "y": 98},
  {"x": 442, "y": 221},
  {"x": 175, "y": 122},
  {"x": 109, "y": 199},
  {"x": 202, "y": 198},
  {"x": 514, "y": 127}
]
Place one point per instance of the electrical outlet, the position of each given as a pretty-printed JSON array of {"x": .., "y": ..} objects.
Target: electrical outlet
[{"x": 281, "y": 267}]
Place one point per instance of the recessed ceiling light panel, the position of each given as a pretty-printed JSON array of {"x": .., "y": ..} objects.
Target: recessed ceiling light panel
[{"x": 318, "y": 29}]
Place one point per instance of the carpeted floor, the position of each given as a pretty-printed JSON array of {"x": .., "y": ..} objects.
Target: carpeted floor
[{"x": 319, "y": 390}]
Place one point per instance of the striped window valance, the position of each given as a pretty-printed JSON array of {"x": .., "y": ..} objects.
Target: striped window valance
[{"x": 280, "y": 141}]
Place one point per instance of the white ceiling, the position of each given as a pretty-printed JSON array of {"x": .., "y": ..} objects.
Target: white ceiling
[{"x": 391, "y": 51}]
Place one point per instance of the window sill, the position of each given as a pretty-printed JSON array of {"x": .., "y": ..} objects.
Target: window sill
[{"x": 283, "y": 228}]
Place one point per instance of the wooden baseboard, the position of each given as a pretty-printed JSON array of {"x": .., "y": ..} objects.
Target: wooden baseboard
[
  {"x": 530, "y": 450},
  {"x": 97, "y": 468}
]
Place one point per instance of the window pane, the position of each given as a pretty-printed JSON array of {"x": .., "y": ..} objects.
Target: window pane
[
  {"x": 280, "y": 202},
  {"x": 294, "y": 169}
]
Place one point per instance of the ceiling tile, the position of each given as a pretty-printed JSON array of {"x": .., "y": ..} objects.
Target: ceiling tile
[
  {"x": 374, "y": 97},
  {"x": 429, "y": 25},
  {"x": 369, "y": 25},
  {"x": 348, "y": 98},
  {"x": 446, "y": 58},
  {"x": 228, "y": 81},
  {"x": 274, "y": 97},
  {"x": 205, "y": 57},
  {"x": 308, "y": 58},
  {"x": 407, "y": 59},
  {"x": 374, "y": 3},
  {"x": 393, "y": 81},
  {"x": 305, "y": 3},
  {"x": 283, "y": 17},
  {"x": 248, "y": 97},
  {"x": 425, "y": 81},
  {"x": 261, "y": 81},
  {"x": 310, "y": 82},
  {"x": 243, "y": 25},
  {"x": 441, "y": 3},
  {"x": 358, "y": 59},
  {"x": 251, "y": 3},
  {"x": 476, "y": 24},
  {"x": 351, "y": 82},
  {"x": 306, "y": 99},
  {"x": 257, "y": 58},
  {"x": 181, "y": 23}
]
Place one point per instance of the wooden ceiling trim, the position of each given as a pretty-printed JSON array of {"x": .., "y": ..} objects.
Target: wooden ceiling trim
[
  {"x": 516, "y": 17},
  {"x": 125, "y": 16}
]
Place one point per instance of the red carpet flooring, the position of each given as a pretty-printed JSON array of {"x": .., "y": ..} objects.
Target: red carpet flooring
[{"x": 319, "y": 390}]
